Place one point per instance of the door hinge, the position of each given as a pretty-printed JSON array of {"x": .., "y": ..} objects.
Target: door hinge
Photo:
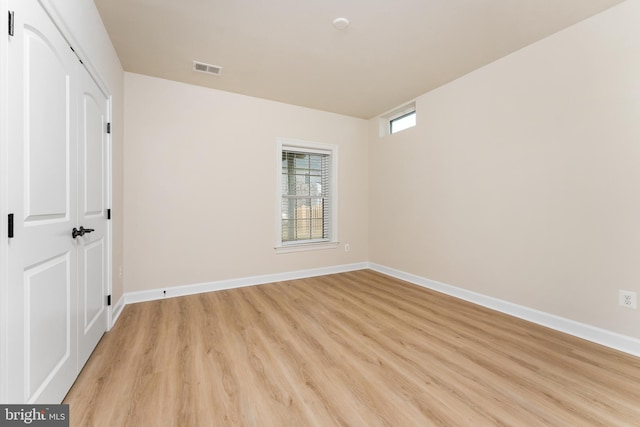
[
  {"x": 108, "y": 213},
  {"x": 74, "y": 51},
  {"x": 10, "y": 226},
  {"x": 11, "y": 23},
  {"x": 108, "y": 300},
  {"x": 108, "y": 127}
]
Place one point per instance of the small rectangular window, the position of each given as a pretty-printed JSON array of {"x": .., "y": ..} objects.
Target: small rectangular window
[
  {"x": 403, "y": 122},
  {"x": 398, "y": 120}
]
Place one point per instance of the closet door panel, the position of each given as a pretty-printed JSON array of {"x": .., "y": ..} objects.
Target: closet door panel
[
  {"x": 92, "y": 200},
  {"x": 43, "y": 196},
  {"x": 47, "y": 130}
]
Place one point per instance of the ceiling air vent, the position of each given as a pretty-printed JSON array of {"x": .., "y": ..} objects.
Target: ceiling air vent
[{"x": 207, "y": 68}]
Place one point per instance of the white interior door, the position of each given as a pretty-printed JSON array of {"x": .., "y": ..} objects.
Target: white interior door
[
  {"x": 92, "y": 206},
  {"x": 42, "y": 194},
  {"x": 58, "y": 182}
]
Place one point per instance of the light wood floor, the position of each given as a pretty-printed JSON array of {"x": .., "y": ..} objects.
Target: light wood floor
[{"x": 352, "y": 349}]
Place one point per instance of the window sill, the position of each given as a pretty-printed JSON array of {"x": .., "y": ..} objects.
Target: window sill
[{"x": 285, "y": 249}]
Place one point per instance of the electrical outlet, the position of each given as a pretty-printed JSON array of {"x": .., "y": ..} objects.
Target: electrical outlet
[
  {"x": 627, "y": 299},
  {"x": 347, "y": 248}
]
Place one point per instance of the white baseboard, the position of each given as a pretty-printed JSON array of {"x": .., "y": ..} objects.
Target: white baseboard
[
  {"x": 161, "y": 293},
  {"x": 610, "y": 339}
]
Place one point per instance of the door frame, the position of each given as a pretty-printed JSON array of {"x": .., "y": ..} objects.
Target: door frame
[{"x": 59, "y": 21}]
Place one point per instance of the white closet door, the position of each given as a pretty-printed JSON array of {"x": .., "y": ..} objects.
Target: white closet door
[
  {"x": 42, "y": 194},
  {"x": 92, "y": 205}
]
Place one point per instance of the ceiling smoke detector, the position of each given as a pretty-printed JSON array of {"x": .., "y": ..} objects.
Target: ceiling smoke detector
[
  {"x": 340, "y": 23},
  {"x": 207, "y": 68}
]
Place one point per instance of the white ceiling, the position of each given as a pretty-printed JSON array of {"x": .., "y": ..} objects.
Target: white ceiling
[{"x": 288, "y": 50}]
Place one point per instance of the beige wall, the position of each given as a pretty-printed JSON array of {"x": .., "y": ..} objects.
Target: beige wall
[
  {"x": 200, "y": 184},
  {"x": 521, "y": 180}
]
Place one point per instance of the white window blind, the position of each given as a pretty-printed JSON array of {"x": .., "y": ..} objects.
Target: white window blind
[{"x": 306, "y": 199}]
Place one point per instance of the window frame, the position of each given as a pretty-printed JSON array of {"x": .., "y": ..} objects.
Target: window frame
[
  {"x": 396, "y": 114},
  {"x": 331, "y": 242},
  {"x": 400, "y": 117}
]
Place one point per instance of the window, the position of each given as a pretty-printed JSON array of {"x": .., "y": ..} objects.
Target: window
[
  {"x": 403, "y": 122},
  {"x": 398, "y": 120},
  {"x": 306, "y": 192}
]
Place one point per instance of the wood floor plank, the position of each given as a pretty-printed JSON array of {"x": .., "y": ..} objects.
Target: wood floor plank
[{"x": 351, "y": 349}]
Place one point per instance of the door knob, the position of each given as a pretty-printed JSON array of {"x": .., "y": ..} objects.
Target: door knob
[{"x": 75, "y": 232}]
